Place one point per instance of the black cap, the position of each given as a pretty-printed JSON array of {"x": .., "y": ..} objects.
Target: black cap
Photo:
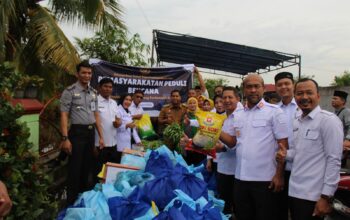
[
  {"x": 283, "y": 75},
  {"x": 341, "y": 94}
]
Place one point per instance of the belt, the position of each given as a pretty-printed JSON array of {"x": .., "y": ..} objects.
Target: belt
[
  {"x": 108, "y": 146},
  {"x": 88, "y": 127}
]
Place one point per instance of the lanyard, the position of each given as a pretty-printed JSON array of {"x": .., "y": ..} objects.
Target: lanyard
[{"x": 340, "y": 111}]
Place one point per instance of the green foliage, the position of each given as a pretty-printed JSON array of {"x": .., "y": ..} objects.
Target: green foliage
[
  {"x": 343, "y": 80},
  {"x": 172, "y": 135},
  {"x": 114, "y": 46},
  {"x": 19, "y": 169},
  {"x": 30, "y": 33},
  {"x": 212, "y": 83}
]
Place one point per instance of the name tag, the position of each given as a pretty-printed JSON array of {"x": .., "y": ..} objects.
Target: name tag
[{"x": 93, "y": 106}]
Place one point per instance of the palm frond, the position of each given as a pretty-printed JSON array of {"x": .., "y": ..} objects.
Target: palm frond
[
  {"x": 95, "y": 14},
  {"x": 11, "y": 14},
  {"x": 47, "y": 41}
]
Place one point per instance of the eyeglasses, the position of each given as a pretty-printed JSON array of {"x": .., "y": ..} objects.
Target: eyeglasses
[{"x": 139, "y": 97}]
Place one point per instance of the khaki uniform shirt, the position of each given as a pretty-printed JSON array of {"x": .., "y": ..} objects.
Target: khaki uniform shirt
[
  {"x": 80, "y": 103},
  {"x": 175, "y": 113}
]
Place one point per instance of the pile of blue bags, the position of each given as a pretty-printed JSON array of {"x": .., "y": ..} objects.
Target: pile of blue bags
[{"x": 164, "y": 188}]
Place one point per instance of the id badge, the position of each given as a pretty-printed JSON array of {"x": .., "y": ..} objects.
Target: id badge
[{"x": 93, "y": 106}]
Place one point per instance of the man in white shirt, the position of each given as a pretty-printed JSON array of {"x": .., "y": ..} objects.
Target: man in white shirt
[
  {"x": 284, "y": 84},
  {"x": 135, "y": 108},
  {"x": 226, "y": 159},
  {"x": 259, "y": 130},
  {"x": 107, "y": 109},
  {"x": 318, "y": 140}
]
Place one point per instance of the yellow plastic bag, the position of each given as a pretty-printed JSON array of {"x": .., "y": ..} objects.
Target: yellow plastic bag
[
  {"x": 145, "y": 128},
  {"x": 210, "y": 125}
]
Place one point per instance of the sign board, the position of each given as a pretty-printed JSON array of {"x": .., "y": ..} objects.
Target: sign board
[{"x": 157, "y": 83}]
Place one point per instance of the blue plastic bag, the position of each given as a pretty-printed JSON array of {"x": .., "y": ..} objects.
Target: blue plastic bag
[
  {"x": 158, "y": 164},
  {"x": 184, "y": 199},
  {"x": 198, "y": 205},
  {"x": 127, "y": 181},
  {"x": 209, "y": 178},
  {"x": 208, "y": 212},
  {"x": 191, "y": 168},
  {"x": 188, "y": 183},
  {"x": 97, "y": 202},
  {"x": 80, "y": 214},
  {"x": 159, "y": 190},
  {"x": 123, "y": 208},
  {"x": 133, "y": 160},
  {"x": 219, "y": 203},
  {"x": 109, "y": 191},
  {"x": 63, "y": 213},
  {"x": 172, "y": 214}
]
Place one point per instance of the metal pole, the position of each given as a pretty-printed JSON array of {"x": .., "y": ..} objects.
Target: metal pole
[
  {"x": 299, "y": 76},
  {"x": 152, "y": 53}
]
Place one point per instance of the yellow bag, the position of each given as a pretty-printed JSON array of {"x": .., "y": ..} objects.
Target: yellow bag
[
  {"x": 210, "y": 124},
  {"x": 145, "y": 128}
]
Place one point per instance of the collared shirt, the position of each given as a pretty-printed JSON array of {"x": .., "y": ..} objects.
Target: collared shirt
[
  {"x": 227, "y": 160},
  {"x": 176, "y": 113},
  {"x": 107, "y": 109},
  {"x": 257, "y": 131},
  {"x": 344, "y": 116},
  {"x": 318, "y": 139},
  {"x": 80, "y": 103},
  {"x": 135, "y": 110},
  {"x": 292, "y": 111}
]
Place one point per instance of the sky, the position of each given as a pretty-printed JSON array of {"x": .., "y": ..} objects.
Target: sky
[{"x": 318, "y": 30}]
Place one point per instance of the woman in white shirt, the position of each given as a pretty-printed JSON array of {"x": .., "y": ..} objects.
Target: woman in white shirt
[{"x": 127, "y": 127}]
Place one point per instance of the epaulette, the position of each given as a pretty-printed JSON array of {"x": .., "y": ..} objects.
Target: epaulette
[
  {"x": 71, "y": 87},
  {"x": 166, "y": 105},
  {"x": 93, "y": 90}
]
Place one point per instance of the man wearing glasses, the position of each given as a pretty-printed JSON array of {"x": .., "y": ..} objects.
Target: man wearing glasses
[{"x": 135, "y": 107}]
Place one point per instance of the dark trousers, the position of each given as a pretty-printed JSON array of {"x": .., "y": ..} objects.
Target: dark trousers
[
  {"x": 301, "y": 209},
  {"x": 282, "y": 199},
  {"x": 79, "y": 162},
  {"x": 225, "y": 187},
  {"x": 194, "y": 158},
  {"x": 253, "y": 200}
]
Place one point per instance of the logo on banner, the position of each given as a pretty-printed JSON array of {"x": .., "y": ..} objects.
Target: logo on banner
[{"x": 145, "y": 71}]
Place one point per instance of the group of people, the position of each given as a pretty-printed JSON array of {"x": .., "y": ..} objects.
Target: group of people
[
  {"x": 276, "y": 159},
  {"x": 271, "y": 159},
  {"x": 100, "y": 128}
]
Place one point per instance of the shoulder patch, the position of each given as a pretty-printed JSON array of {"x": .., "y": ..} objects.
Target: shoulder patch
[
  {"x": 71, "y": 87},
  {"x": 166, "y": 105}
]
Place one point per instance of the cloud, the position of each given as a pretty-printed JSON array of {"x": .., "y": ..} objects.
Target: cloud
[{"x": 318, "y": 30}]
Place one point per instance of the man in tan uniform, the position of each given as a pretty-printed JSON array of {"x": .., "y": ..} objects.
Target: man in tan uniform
[{"x": 171, "y": 113}]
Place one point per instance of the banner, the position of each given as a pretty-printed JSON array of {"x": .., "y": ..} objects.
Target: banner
[{"x": 156, "y": 83}]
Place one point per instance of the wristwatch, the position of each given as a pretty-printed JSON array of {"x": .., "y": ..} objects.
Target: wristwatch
[
  {"x": 329, "y": 199},
  {"x": 64, "y": 138}
]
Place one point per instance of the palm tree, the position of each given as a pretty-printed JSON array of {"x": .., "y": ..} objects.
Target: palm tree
[{"x": 30, "y": 36}]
